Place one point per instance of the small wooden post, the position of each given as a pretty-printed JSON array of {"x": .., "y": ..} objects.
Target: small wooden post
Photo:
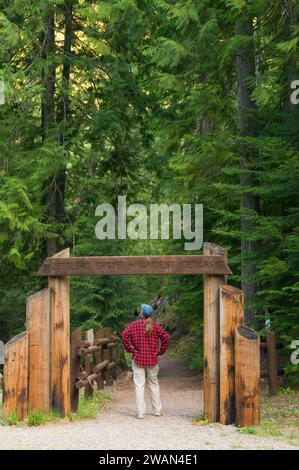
[
  {"x": 272, "y": 362},
  {"x": 15, "y": 375},
  {"x": 231, "y": 315},
  {"x": 88, "y": 392},
  {"x": 211, "y": 337},
  {"x": 38, "y": 327},
  {"x": 107, "y": 356},
  {"x": 75, "y": 368},
  {"x": 247, "y": 378},
  {"x": 113, "y": 359},
  {"x": 60, "y": 341},
  {"x": 99, "y": 358}
]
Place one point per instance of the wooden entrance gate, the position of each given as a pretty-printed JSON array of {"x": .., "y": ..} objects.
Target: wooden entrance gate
[{"x": 47, "y": 343}]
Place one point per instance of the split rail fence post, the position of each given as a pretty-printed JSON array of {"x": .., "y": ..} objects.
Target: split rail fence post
[
  {"x": 99, "y": 358},
  {"x": 88, "y": 391},
  {"x": 272, "y": 362},
  {"x": 107, "y": 356}
]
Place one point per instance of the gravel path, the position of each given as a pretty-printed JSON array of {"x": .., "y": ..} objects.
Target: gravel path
[{"x": 117, "y": 427}]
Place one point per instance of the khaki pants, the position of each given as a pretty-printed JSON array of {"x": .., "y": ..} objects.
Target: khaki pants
[{"x": 139, "y": 375}]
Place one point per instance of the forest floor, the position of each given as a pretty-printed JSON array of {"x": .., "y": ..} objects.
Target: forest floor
[{"x": 180, "y": 427}]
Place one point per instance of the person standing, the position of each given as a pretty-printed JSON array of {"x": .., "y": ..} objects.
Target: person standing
[{"x": 146, "y": 340}]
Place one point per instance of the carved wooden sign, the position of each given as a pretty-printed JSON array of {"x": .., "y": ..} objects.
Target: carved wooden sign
[{"x": 125, "y": 265}]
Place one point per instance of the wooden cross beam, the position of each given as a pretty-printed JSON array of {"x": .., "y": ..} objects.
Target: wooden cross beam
[{"x": 124, "y": 265}]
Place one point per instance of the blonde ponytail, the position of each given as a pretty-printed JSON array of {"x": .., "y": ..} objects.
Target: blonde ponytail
[{"x": 149, "y": 326}]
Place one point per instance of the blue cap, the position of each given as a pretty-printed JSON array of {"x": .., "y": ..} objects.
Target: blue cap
[{"x": 147, "y": 310}]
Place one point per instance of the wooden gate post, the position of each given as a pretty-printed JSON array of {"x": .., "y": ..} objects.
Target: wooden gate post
[
  {"x": 212, "y": 285},
  {"x": 15, "y": 377},
  {"x": 75, "y": 368},
  {"x": 38, "y": 327},
  {"x": 272, "y": 362},
  {"x": 247, "y": 377},
  {"x": 60, "y": 340},
  {"x": 231, "y": 315}
]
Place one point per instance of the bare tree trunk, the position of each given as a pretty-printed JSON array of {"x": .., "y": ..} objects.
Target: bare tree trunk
[
  {"x": 245, "y": 63},
  {"x": 289, "y": 67},
  {"x": 64, "y": 110},
  {"x": 55, "y": 186},
  {"x": 48, "y": 111},
  {"x": 48, "y": 75}
]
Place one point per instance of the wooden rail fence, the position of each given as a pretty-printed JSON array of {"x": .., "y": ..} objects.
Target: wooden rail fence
[{"x": 93, "y": 362}]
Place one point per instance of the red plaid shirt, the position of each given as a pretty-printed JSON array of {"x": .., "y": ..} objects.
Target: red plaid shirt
[{"x": 145, "y": 348}]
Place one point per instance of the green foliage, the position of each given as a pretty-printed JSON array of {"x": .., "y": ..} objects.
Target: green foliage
[
  {"x": 12, "y": 420},
  {"x": 89, "y": 408},
  {"x": 36, "y": 418},
  {"x": 153, "y": 115}
]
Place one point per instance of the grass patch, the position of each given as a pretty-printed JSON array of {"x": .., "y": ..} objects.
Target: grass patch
[
  {"x": 12, "y": 420},
  {"x": 248, "y": 430},
  {"x": 89, "y": 408},
  {"x": 279, "y": 417},
  {"x": 200, "y": 421},
  {"x": 36, "y": 418}
]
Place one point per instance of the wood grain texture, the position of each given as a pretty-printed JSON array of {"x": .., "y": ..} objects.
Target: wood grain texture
[
  {"x": 247, "y": 377},
  {"x": 212, "y": 285},
  {"x": 108, "y": 377},
  {"x": 60, "y": 341},
  {"x": 272, "y": 362},
  {"x": 231, "y": 315},
  {"x": 99, "y": 357},
  {"x": 75, "y": 369},
  {"x": 38, "y": 327},
  {"x": 15, "y": 377},
  {"x": 88, "y": 392},
  {"x": 124, "y": 265}
]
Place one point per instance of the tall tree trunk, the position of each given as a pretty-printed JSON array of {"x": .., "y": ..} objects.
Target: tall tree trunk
[
  {"x": 48, "y": 75},
  {"x": 64, "y": 110},
  {"x": 289, "y": 74},
  {"x": 48, "y": 111},
  {"x": 64, "y": 106},
  {"x": 55, "y": 186},
  {"x": 245, "y": 63}
]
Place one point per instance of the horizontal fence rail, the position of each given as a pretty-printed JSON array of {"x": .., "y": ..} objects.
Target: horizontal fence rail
[{"x": 93, "y": 362}]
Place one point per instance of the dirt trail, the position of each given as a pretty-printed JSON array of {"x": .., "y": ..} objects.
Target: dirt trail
[{"x": 117, "y": 427}]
